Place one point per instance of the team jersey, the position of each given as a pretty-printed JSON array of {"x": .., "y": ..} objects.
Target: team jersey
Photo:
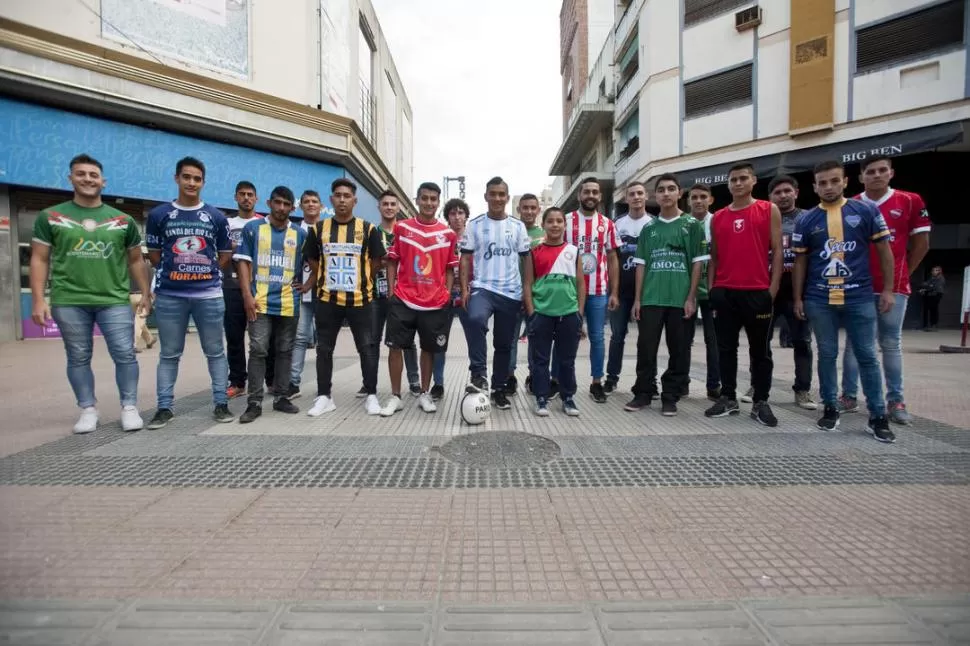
[
  {"x": 307, "y": 270},
  {"x": 628, "y": 230},
  {"x": 742, "y": 241},
  {"x": 536, "y": 235},
  {"x": 905, "y": 215},
  {"x": 345, "y": 251},
  {"x": 190, "y": 240},
  {"x": 668, "y": 250},
  {"x": 836, "y": 241},
  {"x": 424, "y": 254},
  {"x": 380, "y": 282},
  {"x": 497, "y": 247},
  {"x": 595, "y": 236},
  {"x": 276, "y": 258},
  {"x": 229, "y": 278},
  {"x": 88, "y": 253},
  {"x": 554, "y": 291},
  {"x": 702, "y": 294}
]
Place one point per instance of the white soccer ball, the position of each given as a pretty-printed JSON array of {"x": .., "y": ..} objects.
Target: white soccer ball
[{"x": 475, "y": 408}]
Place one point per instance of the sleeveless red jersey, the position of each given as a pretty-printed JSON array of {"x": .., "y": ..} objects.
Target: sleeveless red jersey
[{"x": 742, "y": 242}]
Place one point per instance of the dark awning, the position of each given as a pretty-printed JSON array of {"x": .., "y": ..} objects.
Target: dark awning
[{"x": 849, "y": 152}]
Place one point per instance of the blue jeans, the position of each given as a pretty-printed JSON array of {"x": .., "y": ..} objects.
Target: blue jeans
[
  {"x": 482, "y": 306},
  {"x": 514, "y": 353},
  {"x": 889, "y": 331},
  {"x": 304, "y": 335},
  {"x": 172, "y": 318},
  {"x": 619, "y": 326},
  {"x": 117, "y": 324},
  {"x": 546, "y": 333},
  {"x": 859, "y": 320},
  {"x": 595, "y": 320},
  {"x": 439, "y": 357}
]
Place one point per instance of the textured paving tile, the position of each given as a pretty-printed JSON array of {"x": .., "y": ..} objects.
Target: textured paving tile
[
  {"x": 700, "y": 623},
  {"x": 386, "y": 624},
  {"x": 948, "y": 617},
  {"x": 206, "y": 623},
  {"x": 538, "y": 625},
  {"x": 26, "y": 623}
]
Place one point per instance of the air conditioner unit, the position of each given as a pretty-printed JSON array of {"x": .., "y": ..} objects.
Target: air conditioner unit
[{"x": 748, "y": 18}]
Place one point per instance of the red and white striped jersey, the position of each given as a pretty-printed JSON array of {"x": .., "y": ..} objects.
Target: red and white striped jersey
[
  {"x": 905, "y": 215},
  {"x": 594, "y": 237}
]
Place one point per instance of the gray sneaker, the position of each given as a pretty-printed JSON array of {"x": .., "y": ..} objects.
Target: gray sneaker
[
  {"x": 803, "y": 399},
  {"x": 748, "y": 396},
  {"x": 899, "y": 415}
]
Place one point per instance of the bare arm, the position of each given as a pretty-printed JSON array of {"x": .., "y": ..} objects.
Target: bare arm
[
  {"x": 245, "y": 272},
  {"x": 886, "y": 298},
  {"x": 449, "y": 280},
  {"x": 391, "y": 267},
  {"x": 137, "y": 273},
  {"x": 225, "y": 260},
  {"x": 463, "y": 272},
  {"x": 641, "y": 272},
  {"x": 528, "y": 278},
  {"x": 690, "y": 306},
  {"x": 777, "y": 251},
  {"x": 711, "y": 264},
  {"x": 311, "y": 282},
  {"x": 40, "y": 262},
  {"x": 919, "y": 246},
  {"x": 580, "y": 287},
  {"x": 613, "y": 265},
  {"x": 798, "y": 285},
  {"x": 155, "y": 257}
]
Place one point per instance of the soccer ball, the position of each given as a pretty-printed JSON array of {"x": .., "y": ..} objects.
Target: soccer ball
[{"x": 475, "y": 408}]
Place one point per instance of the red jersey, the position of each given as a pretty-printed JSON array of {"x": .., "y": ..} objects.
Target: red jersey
[
  {"x": 594, "y": 237},
  {"x": 905, "y": 215},
  {"x": 425, "y": 253},
  {"x": 742, "y": 242}
]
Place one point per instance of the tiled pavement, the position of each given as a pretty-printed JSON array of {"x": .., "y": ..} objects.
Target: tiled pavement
[{"x": 632, "y": 529}]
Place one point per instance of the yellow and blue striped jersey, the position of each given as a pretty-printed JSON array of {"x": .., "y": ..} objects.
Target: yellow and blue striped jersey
[{"x": 276, "y": 258}]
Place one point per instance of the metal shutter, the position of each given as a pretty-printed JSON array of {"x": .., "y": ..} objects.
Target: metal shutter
[
  {"x": 698, "y": 10},
  {"x": 718, "y": 92},
  {"x": 914, "y": 35}
]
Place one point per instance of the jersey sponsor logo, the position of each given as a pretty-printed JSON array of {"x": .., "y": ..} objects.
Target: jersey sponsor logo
[
  {"x": 833, "y": 246},
  {"x": 796, "y": 237},
  {"x": 495, "y": 250},
  {"x": 896, "y": 213},
  {"x": 423, "y": 270},
  {"x": 189, "y": 244},
  {"x": 188, "y": 275},
  {"x": 629, "y": 264},
  {"x": 836, "y": 269},
  {"x": 342, "y": 273},
  {"x": 924, "y": 214},
  {"x": 92, "y": 249},
  {"x": 89, "y": 224},
  {"x": 668, "y": 265},
  {"x": 204, "y": 217},
  {"x": 738, "y": 225},
  {"x": 853, "y": 220},
  {"x": 589, "y": 263}
]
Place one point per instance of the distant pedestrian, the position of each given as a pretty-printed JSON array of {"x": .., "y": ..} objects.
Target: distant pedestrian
[{"x": 932, "y": 291}]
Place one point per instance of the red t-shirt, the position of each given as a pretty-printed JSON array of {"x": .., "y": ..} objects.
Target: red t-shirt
[
  {"x": 424, "y": 254},
  {"x": 905, "y": 215},
  {"x": 742, "y": 243}
]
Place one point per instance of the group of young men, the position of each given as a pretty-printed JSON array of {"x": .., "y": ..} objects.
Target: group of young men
[{"x": 294, "y": 285}]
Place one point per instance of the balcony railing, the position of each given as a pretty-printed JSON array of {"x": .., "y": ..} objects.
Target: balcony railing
[
  {"x": 602, "y": 71},
  {"x": 626, "y": 22},
  {"x": 626, "y": 168},
  {"x": 629, "y": 92}
]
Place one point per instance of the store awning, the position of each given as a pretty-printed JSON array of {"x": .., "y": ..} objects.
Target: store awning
[{"x": 854, "y": 151}]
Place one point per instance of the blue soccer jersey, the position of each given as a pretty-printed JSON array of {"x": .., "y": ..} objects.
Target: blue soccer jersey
[
  {"x": 497, "y": 247},
  {"x": 836, "y": 241},
  {"x": 190, "y": 240},
  {"x": 276, "y": 258}
]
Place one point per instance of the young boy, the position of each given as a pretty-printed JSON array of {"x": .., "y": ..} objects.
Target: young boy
[{"x": 554, "y": 294}]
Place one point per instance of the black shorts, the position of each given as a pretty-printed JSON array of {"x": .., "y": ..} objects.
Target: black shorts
[{"x": 432, "y": 326}]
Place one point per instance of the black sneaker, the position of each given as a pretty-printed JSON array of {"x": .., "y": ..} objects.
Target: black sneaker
[
  {"x": 162, "y": 417},
  {"x": 829, "y": 421},
  {"x": 761, "y": 413},
  {"x": 597, "y": 393},
  {"x": 292, "y": 391},
  {"x": 437, "y": 392},
  {"x": 222, "y": 414},
  {"x": 878, "y": 427},
  {"x": 668, "y": 408},
  {"x": 609, "y": 386},
  {"x": 415, "y": 390},
  {"x": 360, "y": 394},
  {"x": 500, "y": 401},
  {"x": 511, "y": 386},
  {"x": 714, "y": 394},
  {"x": 528, "y": 384},
  {"x": 284, "y": 405},
  {"x": 639, "y": 402},
  {"x": 684, "y": 392},
  {"x": 723, "y": 407},
  {"x": 478, "y": 385},
  {"x": 553, "y": 389},
  {"x": 252, "y": 412}
]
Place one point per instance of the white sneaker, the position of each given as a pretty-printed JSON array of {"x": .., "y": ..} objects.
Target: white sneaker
[
  {"x": 88, "y": 422},
  {"x": 372, "y": 406},
  {"x": 427, "y": 404},
  {"x": 393, "y": 405},
  {"x": 131, "y": 420},
  {"x": 321, "y": 405}
]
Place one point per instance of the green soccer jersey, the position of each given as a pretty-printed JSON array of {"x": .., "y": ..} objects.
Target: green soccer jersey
[
  {"x": 668, "y": 249},
  {"x": 88, "y": 253},
  {"x": 536, "y": 235}
]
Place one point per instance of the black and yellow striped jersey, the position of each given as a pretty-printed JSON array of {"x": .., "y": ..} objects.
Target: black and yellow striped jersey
[{"x": 344, "y": 251}]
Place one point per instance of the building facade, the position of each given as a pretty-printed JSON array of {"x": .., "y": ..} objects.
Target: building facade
[{"x": 294, "y": 92}]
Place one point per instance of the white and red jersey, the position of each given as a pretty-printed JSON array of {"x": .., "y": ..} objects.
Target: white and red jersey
[
  {"x": 905, "y": 215},
  {"x": 595, "y": 237},
  {"x": 425, "y": 253}
]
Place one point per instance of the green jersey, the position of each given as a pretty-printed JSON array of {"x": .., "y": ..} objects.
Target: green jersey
[
  {"x": 554, "y": 292},
  {"x": 668, "y": 249},
  {"x": 88, "y": 253},
  {"x": 536, "y": 235}
]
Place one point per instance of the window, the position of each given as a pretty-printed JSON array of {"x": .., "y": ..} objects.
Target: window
[
  {"x": 630, "y": 135},
  {"x": 915, "y": 35},
  {"x": 700, "y": 10},
  {"x": 569, "y": 90},
  {"x": 721, "y": 91},
  {"x": 629, "y": 62},
  {"x": 365, "y": 64},
  {"x": 390, "y": 124}
]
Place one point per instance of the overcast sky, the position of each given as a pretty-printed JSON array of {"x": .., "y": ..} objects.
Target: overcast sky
[{"x": 484, "y": 86}]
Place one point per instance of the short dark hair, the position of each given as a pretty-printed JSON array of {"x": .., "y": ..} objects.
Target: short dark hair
[
  {"x": 189, "y": 161},
  {"x": 876, "y": 158},
  {"x": 343, "y": 181},
  {"x": 282, "y": 192},
  {"x": 548, "y": 211},
  {"x": 388, "y": 193},
  {"x": 668, "y": 177},
  {"x": 699, "y": 186},
  {"x": 429, "y": 186},
  {"x": 782, "y": 179},
  {"x": 528, "y": 196},
  {"x": 495, "y": 181},
  {"x": 455, "y": 203},
  {"x": 245, "y": 184},
  {"x": 84, "y": 158},
  {"x": 828, "y": 164},
  {"x": 635, "y": 182},
  {"x": 589, "y": 180},
  {"x": 744, "y": 165},
  {"x": 310, "y": 193}
]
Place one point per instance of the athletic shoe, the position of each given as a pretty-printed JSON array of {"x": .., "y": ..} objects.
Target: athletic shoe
[
  {"x": 322, "y": 404},
  {"x": 292, "y": 391},
  {"x": 130, "y": 419},
  {"x": 569, "y": 407},
  {"x": 511, "y": 386},
  {"x": 553, "y": 389},
  {"x": 761, "y": 413},
  {"x": 222, "y": 414},
  {"x": 284, "y": 405},
  {"x": 415, "y": 389},
  {"x": 878, "y": 427},
  {"x": 427, "y": 404},
  {"x": 542, "y": 406},
  {"x": 714, "y": 394},
  {"x": 668, "y": 408},
  {"x": 829, "y": 421},
  {"x": 639, "y": 402},
  {"x": 372, "y": 405},
  {"x": 235, "y": 391},
  {"x": 803, "y": 399},
  {"x": 684, "y": 392},
  {"x": 478, "y": 384},
  {"x": 848, "y": 404},
  {"x": 88, "y": 421},
  {"x": 360, "y": 394},
  {"x": 748, "y": 396},
  {"x": 162, "y": 417},
  {"x": 252, "y": 411},
  {"x": 500, "y": 401},
  {"x": 609, "y": 386},
  {"x": 437, "y": 392},
  {"x": 597, "y": 393},
  {"x": 899, "y": 415},
  {"x": 393, "y": 405},
  {"x": 723, "y": 407}
]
